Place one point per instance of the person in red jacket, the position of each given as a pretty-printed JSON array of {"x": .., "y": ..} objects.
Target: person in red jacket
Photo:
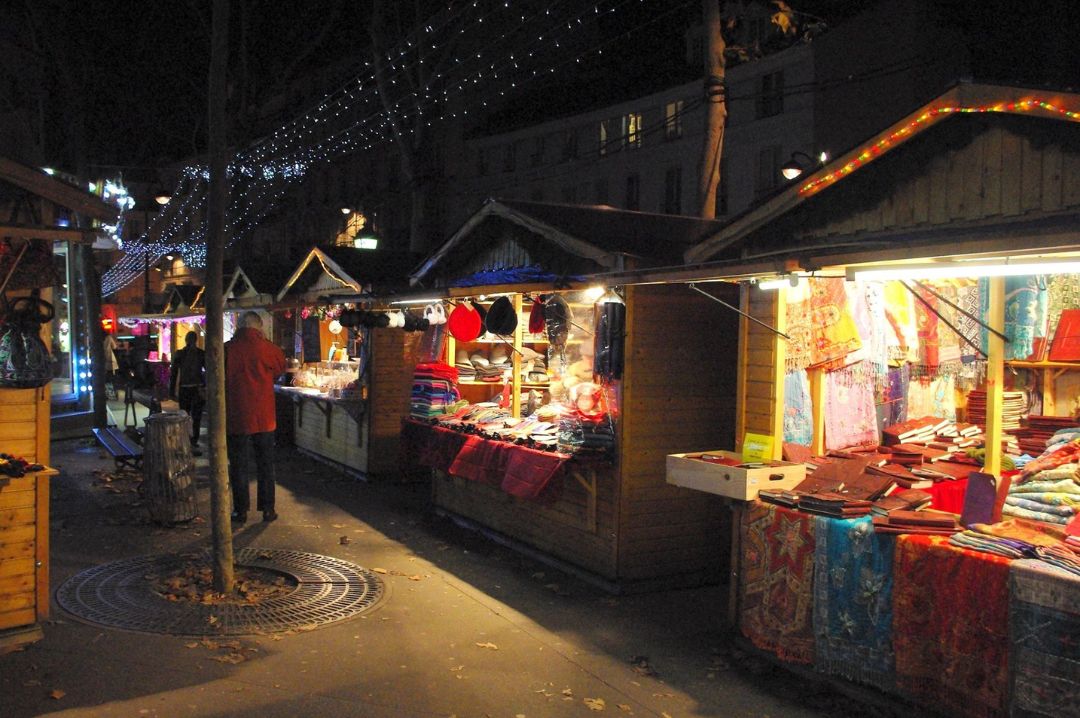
[{"x": 251, "y": 365}]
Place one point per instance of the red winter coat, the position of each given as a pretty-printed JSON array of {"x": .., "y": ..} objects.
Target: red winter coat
[{"x": 251, "y": 365}]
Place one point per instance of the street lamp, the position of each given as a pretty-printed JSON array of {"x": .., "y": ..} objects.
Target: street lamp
[
  {"x": 162, "y": 197},
  {"x": 793, "y": 167}
]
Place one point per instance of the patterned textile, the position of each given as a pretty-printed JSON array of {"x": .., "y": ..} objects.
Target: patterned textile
[
  {"x": 853, "y": 601},
  {"x": 1038, "y": 485},
  {"x": 850, "y": 416},
  {"x": 928, "y": 325},
  {"x": 1032, "y": 532},
  {"x": 1035, "y": 515},
  {"x": 1044, "y": 655},
  {"x": 950, "y": 623},
  {"x": 798, "y": 409},
  {"x": 877, "y": 343},
  {"x": 900, "y": 312},
  {"x": 1063, "y": 292},
  {"x": 892, "y": 407},
  {"x": 482, "y": 460},
  {"x": 834, "y": 334},
  {"x": 428, "y": 445},
  {"x": 776, "y": 596},
  {"x": 968, "y": 297},
  {"x": 932, "y": 397},
  {"x": 528, "y": 471},
  {"x": 1021, "y": 316},
  {"x": 1050, "y": 503},
  {"x": 948, "y": 340},
  {"x": 799, "y": 327}
]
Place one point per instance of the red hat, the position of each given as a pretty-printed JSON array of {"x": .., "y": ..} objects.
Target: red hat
[
  {"x": 536, "y": 317},
  {"x": 465, "y": 323}
]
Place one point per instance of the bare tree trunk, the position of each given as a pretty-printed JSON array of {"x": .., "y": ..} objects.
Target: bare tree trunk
[
  {"x": 715, "y": 110},
  {"x": 220, "y": 496}
]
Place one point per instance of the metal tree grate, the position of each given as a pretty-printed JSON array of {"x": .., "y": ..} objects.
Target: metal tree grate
[{"x": 119, "y": 595}]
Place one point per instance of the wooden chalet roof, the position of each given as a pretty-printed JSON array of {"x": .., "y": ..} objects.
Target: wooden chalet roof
[
  {"x": 983, "y": 166},
  {"x": 560, "y": 238},
  {"x": 339, "y": 270},
  {"x": 23, "y": 188}
]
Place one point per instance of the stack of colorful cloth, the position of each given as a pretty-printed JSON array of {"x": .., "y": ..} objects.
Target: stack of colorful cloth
[
  {"x": 1049, "y": 486},
  {"x": 464, "y": 366},
  {"x": 1019, "y": 538},
  {"x": 433, "y": 390}
]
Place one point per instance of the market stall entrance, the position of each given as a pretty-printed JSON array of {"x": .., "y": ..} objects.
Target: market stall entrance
[{"x": 121, "y": 595}]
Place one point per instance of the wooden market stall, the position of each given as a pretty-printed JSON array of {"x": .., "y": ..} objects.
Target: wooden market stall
[
  {"x": 350, "y": 390},
  {"x": 964, "y": 212},
  {"x": 616, "y": 520},
  {"x": 31, "y": 202}
]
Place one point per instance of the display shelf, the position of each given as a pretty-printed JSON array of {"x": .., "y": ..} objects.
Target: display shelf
[{"x": 1022, "y": 364}]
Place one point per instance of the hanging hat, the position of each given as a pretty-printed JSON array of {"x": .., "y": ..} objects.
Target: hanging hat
[
  {"x": 587, "y": 398},
  {"x": 557, "y": 317},
  {"x": 482, "y": 311},
  {"x": 536, "y": 317},
  {"x": 464, "y": 323},
  {"x": 501, "y": 317}
]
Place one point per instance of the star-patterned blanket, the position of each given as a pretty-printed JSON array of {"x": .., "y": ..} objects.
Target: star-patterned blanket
[
  {"x": 853, "y": 583},
  {"x": 776, "y": 597}
]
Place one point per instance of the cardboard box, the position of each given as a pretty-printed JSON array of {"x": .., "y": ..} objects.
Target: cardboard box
[{"x": 738, "y": 482}]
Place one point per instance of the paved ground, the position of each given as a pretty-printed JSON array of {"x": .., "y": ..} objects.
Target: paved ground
[{"x": 551, "y": 644}]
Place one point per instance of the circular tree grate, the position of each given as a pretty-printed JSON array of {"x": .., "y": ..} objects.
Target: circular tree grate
[{"x": 119, "y": 595}]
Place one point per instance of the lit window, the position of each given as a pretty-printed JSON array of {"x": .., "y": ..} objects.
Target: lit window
[
  {"x": 348, "y": 237},
  {"x": 634, "y": 129}
]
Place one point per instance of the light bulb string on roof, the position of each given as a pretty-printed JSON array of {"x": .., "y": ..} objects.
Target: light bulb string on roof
[{"x": 326, "y": 146}]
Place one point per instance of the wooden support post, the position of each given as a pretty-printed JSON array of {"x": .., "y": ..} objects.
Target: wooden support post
[
  {"x": 995, "y": 375},
  {"x": 588, "y": 482},
  {"x": 738, "y": 513},
  {"x": 742, "y": 369},
  {"x": 780, "y": 359},
  {"x": 817, "y": 399}
]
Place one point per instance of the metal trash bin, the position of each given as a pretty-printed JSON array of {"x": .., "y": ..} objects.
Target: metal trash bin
[{"x": 168, "y": 470}]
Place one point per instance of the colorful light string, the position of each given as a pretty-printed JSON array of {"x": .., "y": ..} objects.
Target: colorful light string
[{"x": 874, "y": 150}]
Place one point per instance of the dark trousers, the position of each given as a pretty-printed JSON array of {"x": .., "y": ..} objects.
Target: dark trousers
[
  {"x": 240, "y": 447},
  {"x": 191, "y": 401}
]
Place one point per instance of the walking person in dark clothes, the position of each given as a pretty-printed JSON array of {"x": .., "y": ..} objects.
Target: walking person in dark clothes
[
  {"x": 187, "y": 383},
  {"x": 251, "y": 365}
]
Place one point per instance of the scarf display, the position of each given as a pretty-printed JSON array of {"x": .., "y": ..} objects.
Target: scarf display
[
  {"x": 775, "y": 590},
  {"x": 853, "y": 586},
  {"x": 834, "y": 334},
  {"x": 928, "y": 325},
  {"x": 900, "y": 313},
  {"x": 1062, "y": 292},
  {"x": 850, "y": 414},
  {"x": 950, "y": 626},
  {"x": 799, "y": 327},
  {"x": 1044, "y": 656},
  {"x": 798, "y": 409},
  {"x": 1021, "y": 316},
  {"x": 892, "y": 404}
]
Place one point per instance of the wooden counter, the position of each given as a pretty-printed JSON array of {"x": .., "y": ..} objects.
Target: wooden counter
[{"x": 24, "y": 557}]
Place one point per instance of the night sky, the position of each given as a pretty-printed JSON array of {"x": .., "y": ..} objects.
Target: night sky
[{"x": 136, "y": 71}]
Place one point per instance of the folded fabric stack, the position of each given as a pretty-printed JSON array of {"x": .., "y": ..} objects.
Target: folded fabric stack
[
  {"x": 1051, "y": 495},
  {"x": 464, "y": 366},
  {"x": 1000, "y": 545},
  {"x": 579, "y": 435},
  {"x": 433, "y": 390},
  {"x": 917, "y": 522},
  {"x": 1072, "y": 534},
  {"x": 533, "y": 367},
  {"x": 490, "y": 366}
]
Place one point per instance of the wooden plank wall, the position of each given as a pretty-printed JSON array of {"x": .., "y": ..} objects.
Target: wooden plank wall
[
  {"x": 343, "y": 446},
  {"x": 24, "y": 423},
  {"x": 761, "y": 373},
  {"x": 20, "y": 592},
  {"x": 967, "y": 169},
  {"x": 393, "y": 359},
  {"x": 559, "y": 529},
  {"x": 678, "y": 395}
]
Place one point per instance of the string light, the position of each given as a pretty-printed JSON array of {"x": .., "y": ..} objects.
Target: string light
[
  {"x": 873, "y": 150},
  {"x": 261, "y": 174}
]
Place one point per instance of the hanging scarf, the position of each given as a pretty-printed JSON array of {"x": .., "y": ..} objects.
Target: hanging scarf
[
  {"x": 900, "y": 312},
  {"x": 1021, "y": 316},
  {"x": 853, "y": 601},
  {"x": 833, "y": 329},
  {"x": 798, "y": 409},
  {"x": 850, "y": 417},
  {"x": 799, "y": 327},
  {"x": 928, "y": 326}
]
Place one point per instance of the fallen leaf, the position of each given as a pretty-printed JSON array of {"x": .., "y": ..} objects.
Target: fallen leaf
[
  {"x": 343, "y": 540},
  {"x": 624, "y": 707},
  {"x": 492, "y": 646},
  {"x": 232, "y": 658},
  {"x": 380, "y": 570},
  {"x": 567, "y": 692},
  {"x": 193, "y": 644},
  {"x": 56, "y": 694},
  {"x": 414, "y": 578},
  {"x": 594, "y": 704},
  {"x": 212, "y": 620},
  {"x": 337, "y": 526},
  {"x": 665, "y": 714},
  {"x": 458, "y": 668}
]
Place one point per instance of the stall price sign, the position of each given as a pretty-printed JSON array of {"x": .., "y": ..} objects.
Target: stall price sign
[{"x": 757, "y": 447}]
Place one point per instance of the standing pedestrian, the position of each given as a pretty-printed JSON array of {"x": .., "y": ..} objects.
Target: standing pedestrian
[
  {"x": 187, "y": 384},
  {"x": 251, "y": 365}
]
